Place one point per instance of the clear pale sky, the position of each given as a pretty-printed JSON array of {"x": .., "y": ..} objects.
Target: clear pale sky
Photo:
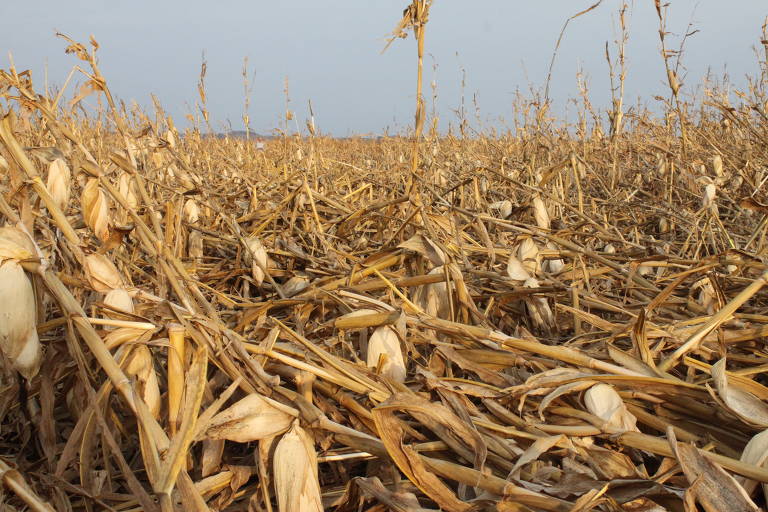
[{"x": 330, "y": 50}]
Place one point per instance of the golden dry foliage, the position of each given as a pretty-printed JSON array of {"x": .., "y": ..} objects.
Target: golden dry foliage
[{"x": 559, "y": 321}]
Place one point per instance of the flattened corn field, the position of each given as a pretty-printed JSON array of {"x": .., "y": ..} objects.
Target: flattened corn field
[{"x": 558, "y": 320}]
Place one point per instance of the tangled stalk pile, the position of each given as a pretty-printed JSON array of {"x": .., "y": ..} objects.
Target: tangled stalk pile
[{"x": 562, "y": 322}]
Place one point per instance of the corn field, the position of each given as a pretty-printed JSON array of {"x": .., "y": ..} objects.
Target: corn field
[{"x": 556, "y": 319}]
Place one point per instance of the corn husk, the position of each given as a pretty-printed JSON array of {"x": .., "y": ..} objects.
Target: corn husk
[
  {"x": 127, "y": 189},
  {"x": 253, "y": 418},
  {"x": 259, "y": 261},
  {"x": 528, "y": 254},
  {"x": 95, "y": 209},
  {"x": 296, "y": 476},
  {"x": 516, "y": 270},
  {"x": 385, "y": 343},
  {"x": 540, "y": 213},
  {"x": 18, "y": 331},
  {"x": 191, "y": 211},
  {"x": 58, "y": 183},
  {"x": 103, "y": 276},
  {"x": 141, "y": 366},
  {"x": 120, "y": 300},
  {"x": 603, "y": 401}
]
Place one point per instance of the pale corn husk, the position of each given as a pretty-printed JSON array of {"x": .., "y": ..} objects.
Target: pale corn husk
[
  {"x": 18, "y": 330},
  {"x": 95, "y": 209},
  {"x": 503, "y": 207},
  {"x": 756, "y": 453},
  {"x": 295, "y": 285},
  {"x": 295, "y": 469},
  {"x": 706, "y": 296},
  {"x": 384, "y": 342},
  {"x": 538, "y": 307},
  {"x": 170, "y": 138},
  {"x": 433, "y": 297},
  {"x": 717, "y": 165},
  {"x": 120, "y": 300},
  {"x": 3, "y": 164},
  {"x": 102, "y": 274},
  {"x": 553, "y": 266},
  {"x": 710, "y": 193},
  {"x": 259, "y": 257},
  {"x": 191, "y": 211},
  {"x": 58, "y": 182},
  {"x": 516, "y": 270},
  {"x": 140, "y": 366},
  {"x": 540, "y": 213},
  {"x": 253, "y": 418},
  {"x": 195, "y": 245},
  {"x": 603, "y": 401},
  {"x": 528, "y": 254},
  {"x": 15, "y": 244},
  {"x": 127, "y": 189}
]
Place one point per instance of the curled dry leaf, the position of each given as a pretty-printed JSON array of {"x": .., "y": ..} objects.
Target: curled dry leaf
[
  {"x": 384, "y": 342},
  {"x": 103, "y": 276},
  {"x": 750, "y": 409},
  {"x": 603, "y": 401},
  {"x": 18, "y": 329},
  {"x": 295, "y": 469},
  {"x": 58, "y": 182},
  {"x": 250, "y": 419},
  {"x": 95, "y": 209}
]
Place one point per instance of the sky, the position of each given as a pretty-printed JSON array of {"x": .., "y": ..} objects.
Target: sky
[{"x": 330, "y": 52}]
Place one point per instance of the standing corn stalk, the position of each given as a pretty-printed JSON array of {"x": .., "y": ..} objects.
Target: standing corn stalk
[{"x": 415, "y": 17}]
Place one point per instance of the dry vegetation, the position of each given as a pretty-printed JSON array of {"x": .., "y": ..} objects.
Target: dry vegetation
[{"x": 553, "y": 320}]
